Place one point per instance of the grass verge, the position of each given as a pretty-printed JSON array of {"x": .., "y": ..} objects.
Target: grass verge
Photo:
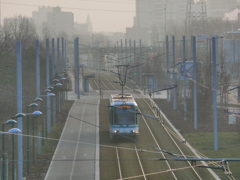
[{"x": 228, "y": 147}]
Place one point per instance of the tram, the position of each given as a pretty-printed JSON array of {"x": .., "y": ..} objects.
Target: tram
[{"x": 123, "y": 112}]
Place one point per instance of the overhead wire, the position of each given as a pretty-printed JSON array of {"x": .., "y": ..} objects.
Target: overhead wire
[{"x": 74, "y": 8}]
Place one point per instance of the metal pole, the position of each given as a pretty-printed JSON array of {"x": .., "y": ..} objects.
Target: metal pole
[
  {"x": 76, "y": 65},
  {"x": 134, "y": 61},
  {"x": 65, "y": 54},
  {"x": 39, "y": 143},
  {"x": 54, "y": 109},
  {"x": 27, "y": 143},
  {"x": 117, "y": 55},
  {"x": 194, "y": 79},
  {"x": 167, "y": 67},
  {"x": 62, "y": 63},
  {"x": 130, "y": 51},
  {"x": 37, "y": 69},
  {"x": 140, "y": 67},
  {"x": 98, "y": 57},
  {"x": 19, "y": 109},
  {"x": 58, "y": 56},
  {"x": 61, "y": 70},
  {"x": 13, "y": 159},
  {"x": 214, "y": 89},
  {"x": 53, "y": 57},
  {"x": 121, "y": 52},
  {"x": 126, "y": 53},
  {"x": 3, "y": 155},
  {"x": 130, "y": 57},
  {"x": 48, "y": 110},
  {"x": 184, "y": 77},
  {"x": 53, "y": 74},
  {"x": 65, "y": 67},
  {"x": 33, "y": 140},
  {"x": 58, "y": 71},
  {"x": 174, "y": 75}
]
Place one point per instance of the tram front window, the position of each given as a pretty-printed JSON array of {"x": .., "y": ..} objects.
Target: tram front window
[{"x": 124, "y": 117}]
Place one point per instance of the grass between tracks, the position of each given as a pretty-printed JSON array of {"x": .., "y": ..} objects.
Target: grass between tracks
[{"x": 228, "y": 147}]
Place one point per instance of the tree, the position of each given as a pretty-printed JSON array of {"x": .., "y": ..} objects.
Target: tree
[{"x": 20, "y": 28}]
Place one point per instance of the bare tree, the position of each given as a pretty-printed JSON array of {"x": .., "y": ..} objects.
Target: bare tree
[{"x": 20, "y": 28}]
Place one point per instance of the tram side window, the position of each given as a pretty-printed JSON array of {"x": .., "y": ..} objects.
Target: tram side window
[{"x": 111, "y": 114}]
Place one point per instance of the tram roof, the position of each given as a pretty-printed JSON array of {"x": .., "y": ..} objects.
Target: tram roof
[{"x": 121, "y": 98}]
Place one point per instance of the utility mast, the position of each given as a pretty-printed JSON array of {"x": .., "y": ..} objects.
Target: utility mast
[
  {"x": 0, "y": 13},
  {"x": 196, "y": 16}
]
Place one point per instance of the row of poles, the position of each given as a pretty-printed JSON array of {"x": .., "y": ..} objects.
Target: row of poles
[
  {"x": 138, "y": 76},
  {"x": 214, "y": 58},
  {"x": 52, "y": 106}
]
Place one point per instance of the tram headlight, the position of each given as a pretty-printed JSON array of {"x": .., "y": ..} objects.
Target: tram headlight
[
  {"x": 133, "y": 131},
  {"x": 115, "y": 131}
]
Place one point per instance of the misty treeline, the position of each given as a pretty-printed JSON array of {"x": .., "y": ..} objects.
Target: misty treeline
[
  {"x": 157, "y": 66},
  {"x": 15, "y": 29},
  {"x": 21, "y": 28}
]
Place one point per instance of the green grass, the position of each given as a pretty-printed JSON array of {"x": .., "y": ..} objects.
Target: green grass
[{"x": 228, "y": 147}]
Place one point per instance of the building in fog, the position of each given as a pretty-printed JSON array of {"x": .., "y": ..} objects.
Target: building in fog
[
  {"x": 231, "y": 46},
  {"x": 155, "y": 18},
  {"x": 85, "y": 28},
  {"x": 53, "y": 21}
]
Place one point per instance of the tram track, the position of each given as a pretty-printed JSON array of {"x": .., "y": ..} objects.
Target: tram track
[
  {"x": 129, "y": 162},
  {"x": 158, "y": 146},
  {"x": 154, "y": 138},
  {"x": 174, "y": 142}
]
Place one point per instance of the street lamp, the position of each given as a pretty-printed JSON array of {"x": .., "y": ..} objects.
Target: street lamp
[
  {"x": 63, "y": 79},
  {"x": 11, "y": 131},
  {"x": 20, "y": 148},
  {"x": 38, "y": 100},
  {"x": 48, "y": 110},
  {"x": 12, "y": 122},
  {"x": 32, "y": 105},
  {"x": 57, "y": 84}
]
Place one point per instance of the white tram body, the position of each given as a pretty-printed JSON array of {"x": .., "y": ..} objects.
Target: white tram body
[{"x": 123, "y": 115}]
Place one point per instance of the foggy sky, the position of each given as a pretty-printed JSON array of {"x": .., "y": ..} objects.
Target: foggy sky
[{"x": 106, "y": 15}]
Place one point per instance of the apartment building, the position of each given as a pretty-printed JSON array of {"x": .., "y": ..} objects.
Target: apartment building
[
  {"x": 54, "y": 21},
  {"x": 156, "y": 17}
]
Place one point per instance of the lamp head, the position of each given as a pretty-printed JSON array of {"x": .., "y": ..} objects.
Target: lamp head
[
  {"x": 47, "y": 90},
  {"x": 14, "y": 130},
  {"x": 37, "y": 113},
  {"x": 51, "y": 94},
  {"x": 11, "y": 121},
  {"x": 19, "y": 115},
  {"x": 55, "y": 80},
  {"x": 38, "y": 99},
  {"x": 33, "y": 105}
]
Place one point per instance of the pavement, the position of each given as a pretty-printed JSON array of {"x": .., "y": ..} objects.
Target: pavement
[{"x": 77, "y": 153}]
